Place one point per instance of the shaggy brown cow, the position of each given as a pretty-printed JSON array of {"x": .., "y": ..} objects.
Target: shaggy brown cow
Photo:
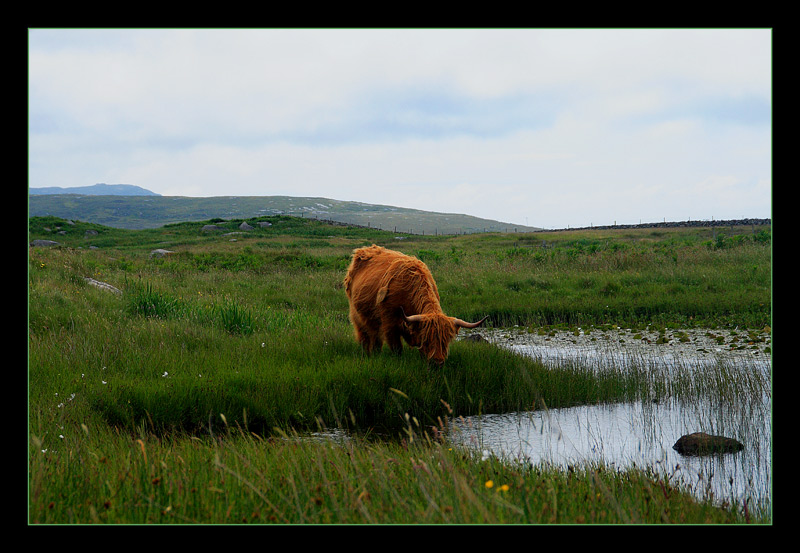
[{"x": 393, "y": 295}]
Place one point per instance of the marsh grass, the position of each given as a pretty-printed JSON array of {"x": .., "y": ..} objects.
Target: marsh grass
[
  {"x": 676, "y": 393},
  {"x": 235, "y": 318},
  {"x": 168, "y": 403},
  {"x": 246, "y": 478},
  {"x": 144, "y": 300}
]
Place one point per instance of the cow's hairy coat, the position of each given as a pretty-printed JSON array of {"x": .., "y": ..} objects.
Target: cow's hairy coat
[{"x": 393, "y": 296}]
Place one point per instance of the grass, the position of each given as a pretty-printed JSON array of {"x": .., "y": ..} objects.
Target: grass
[
  {"x": 243, "y": 478},
  {"x": 176, "y": 401}
]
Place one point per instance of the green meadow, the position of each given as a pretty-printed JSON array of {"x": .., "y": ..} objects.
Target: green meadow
[{"x": 196, "y": 395}]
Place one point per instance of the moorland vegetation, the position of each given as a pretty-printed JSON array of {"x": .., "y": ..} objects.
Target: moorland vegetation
[{"x": 183, "y": 398}]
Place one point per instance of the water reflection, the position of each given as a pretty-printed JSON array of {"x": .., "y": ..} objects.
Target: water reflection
[{"x": 642, "y": 434}]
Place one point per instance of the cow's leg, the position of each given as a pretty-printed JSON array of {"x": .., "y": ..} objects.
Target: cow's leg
[
  {"x": 365, "y": 334},
  {"x": 392, "y": 336},
  {"x": 370, "y": 340}
]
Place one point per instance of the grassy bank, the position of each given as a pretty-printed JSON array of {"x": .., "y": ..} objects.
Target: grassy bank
[
  {"x": 161, "y": 404},
  {"x": 99, "y": 476}
]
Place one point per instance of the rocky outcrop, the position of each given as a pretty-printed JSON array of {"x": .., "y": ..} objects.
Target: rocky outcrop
[
  {"x": 44, "y": 243},
  {"x": 102, "y": 285},
  {"x": 700, "y": 443},
  {"x": 160, "y": 252}
]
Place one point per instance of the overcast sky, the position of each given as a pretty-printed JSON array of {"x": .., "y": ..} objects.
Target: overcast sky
[{"x": 551, "y": 128}]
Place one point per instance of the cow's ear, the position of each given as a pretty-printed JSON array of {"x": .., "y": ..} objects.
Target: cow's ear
[{"x": 381, "y": 294}]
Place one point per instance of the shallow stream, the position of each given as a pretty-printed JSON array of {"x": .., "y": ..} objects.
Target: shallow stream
[{"x": 642, "y": 433}]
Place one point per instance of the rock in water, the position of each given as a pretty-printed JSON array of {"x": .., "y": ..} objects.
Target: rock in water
[{"x": 701, "y": 443}]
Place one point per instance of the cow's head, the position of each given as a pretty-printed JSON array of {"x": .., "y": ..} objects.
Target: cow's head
[{"x": 433, "y": 332}]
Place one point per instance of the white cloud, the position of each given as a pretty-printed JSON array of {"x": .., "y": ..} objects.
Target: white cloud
[{"x": 556, "y": 126}]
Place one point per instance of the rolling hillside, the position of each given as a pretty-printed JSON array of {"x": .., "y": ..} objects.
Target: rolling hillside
[
  {"x": 96, "y": 189},
  {"x": 139, "y": 212}
]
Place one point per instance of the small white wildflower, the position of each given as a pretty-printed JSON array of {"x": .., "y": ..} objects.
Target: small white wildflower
[
  {"x": 104, "y": 382},
  {"x": 60, "y": 405},
  {"x": 61, "y": 436},
  {"x": 165, "y": 374}
]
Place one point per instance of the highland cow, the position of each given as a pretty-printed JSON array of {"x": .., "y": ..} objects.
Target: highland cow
[{"x": 394, "y": 296}]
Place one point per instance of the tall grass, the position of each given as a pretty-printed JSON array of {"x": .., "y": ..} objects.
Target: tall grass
[
  {"x": 167, "y": 403},
  {"x": 692, "y": 284},
  {"x": 97, "y": 476}
]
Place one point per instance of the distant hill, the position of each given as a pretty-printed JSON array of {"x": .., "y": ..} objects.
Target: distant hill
[
  {"x": 138, "y": 212},
  {"x": 100, "y": 189}
]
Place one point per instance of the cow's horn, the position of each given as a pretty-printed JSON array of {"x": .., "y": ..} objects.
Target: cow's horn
[
  {"x": 464, "y": 324},
  {"x": 412, "y": 318}
]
